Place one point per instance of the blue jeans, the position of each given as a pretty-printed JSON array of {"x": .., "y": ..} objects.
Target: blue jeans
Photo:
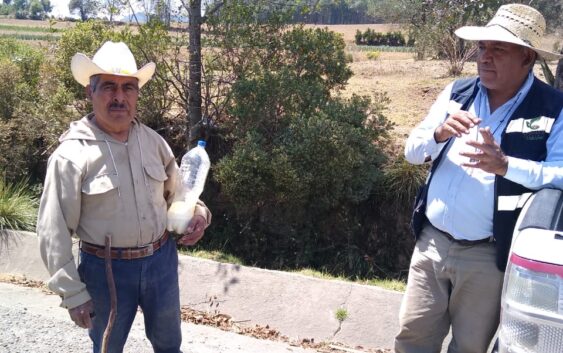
[{"x": 150, "y": 283}]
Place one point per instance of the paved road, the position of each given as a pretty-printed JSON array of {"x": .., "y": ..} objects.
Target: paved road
[{"x": 31, "y": 321}]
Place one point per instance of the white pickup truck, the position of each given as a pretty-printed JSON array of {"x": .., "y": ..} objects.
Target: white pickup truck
[{"x": 532, "y": 297}]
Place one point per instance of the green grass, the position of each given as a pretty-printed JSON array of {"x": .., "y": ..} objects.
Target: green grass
[
  {"x": 29, "y": 36},
  {"x": 15, "y": 28},
  {"x": 391, "y": 284},
  {"x": 18, "y": 206},
  {"x": 214, "y": 255},
  {"x": 341, "y": 314},
  {"x": 219, "y": 256}
]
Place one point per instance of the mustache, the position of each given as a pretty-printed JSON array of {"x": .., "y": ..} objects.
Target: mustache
[{"x": 116, "y": 105}]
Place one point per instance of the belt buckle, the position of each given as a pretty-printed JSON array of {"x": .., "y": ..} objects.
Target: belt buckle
[{"x": 150, "y": 249}]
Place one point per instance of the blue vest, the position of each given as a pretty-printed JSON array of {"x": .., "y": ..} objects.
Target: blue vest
[{"x": 527, "y": 142}]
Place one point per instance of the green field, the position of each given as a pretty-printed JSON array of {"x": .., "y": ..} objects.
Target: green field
[{"x": 27, "y": 29}]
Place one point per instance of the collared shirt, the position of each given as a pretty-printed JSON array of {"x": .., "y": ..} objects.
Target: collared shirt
[
  {"x": 97, "y": 186},
  {"x": 461, "y": 200}
]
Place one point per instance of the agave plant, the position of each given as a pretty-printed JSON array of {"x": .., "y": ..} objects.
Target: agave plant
[{"x": 18, "y": 206}]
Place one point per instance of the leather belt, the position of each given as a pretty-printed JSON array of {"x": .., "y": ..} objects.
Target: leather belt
[
  {"x": 465, "y": 242},
  {"x": 125, "y": 253}
]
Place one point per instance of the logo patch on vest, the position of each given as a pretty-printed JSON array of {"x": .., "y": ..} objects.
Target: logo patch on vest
[{"x": 533, "y": 128}]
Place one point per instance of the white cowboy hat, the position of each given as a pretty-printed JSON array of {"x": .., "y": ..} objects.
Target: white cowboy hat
[
  {"x": 513, "y": 23},
  {"x": 111, "y": 59}
]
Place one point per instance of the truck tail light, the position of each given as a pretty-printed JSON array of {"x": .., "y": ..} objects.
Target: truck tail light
[{"x": 532, "y": 307}]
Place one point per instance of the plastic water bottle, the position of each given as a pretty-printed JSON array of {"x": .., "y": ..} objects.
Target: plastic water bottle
[{"x": 193, "y": 172}]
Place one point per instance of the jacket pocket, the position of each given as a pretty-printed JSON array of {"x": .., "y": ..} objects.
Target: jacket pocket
[
  {"x": 100, "y": 184},
  {"x": 100, "y": 196}
]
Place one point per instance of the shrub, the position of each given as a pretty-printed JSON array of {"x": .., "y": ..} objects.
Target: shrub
[
  {"x": 370, "y": 37},
  {"x": 25, "y": 57},
  {"x": 295, "y": 199},
  {"x": 10, "y": 79},
  {"x": 373, "y": 55},
  {"x": 303, "y": 160},
  {"x": 30, "y": 98}
]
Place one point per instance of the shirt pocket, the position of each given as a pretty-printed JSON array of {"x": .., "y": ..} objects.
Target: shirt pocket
[
  {"x": 156, "y": 178},
  {"x": 100, "y": 196}
]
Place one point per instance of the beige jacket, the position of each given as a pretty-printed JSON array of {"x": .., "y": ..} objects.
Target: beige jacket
[{"x": 96, "y": 185}]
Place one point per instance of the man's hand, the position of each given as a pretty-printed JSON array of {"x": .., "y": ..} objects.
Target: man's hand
[
  {"x": 82, "y": 315},
  {"x": 194, "y": 232},
  {"x": 455, "y": 125},
  {"x": 488, "y": 156}
]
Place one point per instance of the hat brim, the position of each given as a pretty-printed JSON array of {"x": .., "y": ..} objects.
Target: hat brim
[
  {"x": 498, "y": 33},
  {"x": 83, "y": 68}
]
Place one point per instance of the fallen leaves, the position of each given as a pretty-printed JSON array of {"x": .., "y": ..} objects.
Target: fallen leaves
[
  {"x": 25, "y": 282},
  {"x": 226, "y": 323}
]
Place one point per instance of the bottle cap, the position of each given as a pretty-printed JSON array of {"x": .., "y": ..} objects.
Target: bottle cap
[{"x": 201, "y": 143}]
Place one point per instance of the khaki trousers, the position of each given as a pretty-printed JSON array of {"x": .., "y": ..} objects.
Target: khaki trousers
[{"x": 449, "y": 284}]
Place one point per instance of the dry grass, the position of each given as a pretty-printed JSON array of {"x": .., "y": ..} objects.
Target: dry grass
[
  {"x": 411, "y": 85},
  {"x": 36, "y": 23}
]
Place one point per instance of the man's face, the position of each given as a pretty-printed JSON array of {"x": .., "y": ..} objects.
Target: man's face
[
  {"x": 503, "y": 66},
  {"x": 115, "y": 102}
]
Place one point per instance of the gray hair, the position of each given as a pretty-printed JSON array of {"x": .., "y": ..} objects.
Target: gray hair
[{"x": 94, "y": 80}]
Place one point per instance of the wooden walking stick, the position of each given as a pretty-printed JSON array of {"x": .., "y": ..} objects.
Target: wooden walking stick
[{"x": 112, "y": 295}]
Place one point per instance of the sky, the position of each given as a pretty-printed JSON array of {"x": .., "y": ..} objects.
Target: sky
[{"x": 60, "y": 8}]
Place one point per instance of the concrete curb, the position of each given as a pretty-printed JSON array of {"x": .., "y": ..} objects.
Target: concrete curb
[{"x": 298, "y": 306}]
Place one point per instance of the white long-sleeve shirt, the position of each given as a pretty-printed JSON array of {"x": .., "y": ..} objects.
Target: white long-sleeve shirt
[{"x": 461, "y": 200}]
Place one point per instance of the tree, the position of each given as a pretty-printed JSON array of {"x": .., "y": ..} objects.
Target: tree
[
  {"x": 33, "y": 9},
  {"x": 194, "y": 85},
  {"x": 84, "y": 8},
  {"x": 22, "y": 8},
  {"x": 47, "y": 7},
  {"x": 333, "y": 11},
  {"x": 112, "y": 8},
  {"x": 36, "y": 10},
  {"x": 163, "y": 12}
]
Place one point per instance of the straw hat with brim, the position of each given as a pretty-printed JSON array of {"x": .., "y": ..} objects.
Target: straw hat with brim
[
  {"x": 513, "y": 23},
  {"x": 111, "y": 59}
]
